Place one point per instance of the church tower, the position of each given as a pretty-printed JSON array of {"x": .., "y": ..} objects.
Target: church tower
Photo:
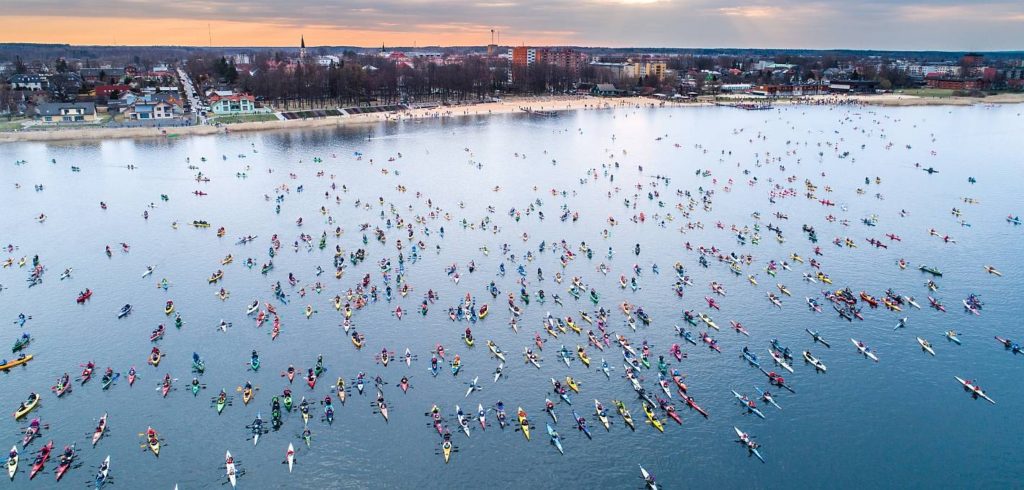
[{"x": 302, "y": 47}]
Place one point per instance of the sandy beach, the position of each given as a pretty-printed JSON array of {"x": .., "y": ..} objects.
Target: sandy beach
[{"x": 508, "y": 106}]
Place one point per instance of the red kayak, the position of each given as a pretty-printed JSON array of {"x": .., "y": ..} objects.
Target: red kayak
[
  {"x": 41, "y": 459},
  {"x": 311, "y": 381},
  {"x": 131, "y": 376},
  {"x": 84, "y": 296},
  {"x": 87, "y": 372},
  {"x": 693, "y": 404},
  {"x": 66, "y": 459}
]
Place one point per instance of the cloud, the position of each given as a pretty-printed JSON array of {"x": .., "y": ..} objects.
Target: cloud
[{"x": 879, "y": 24}]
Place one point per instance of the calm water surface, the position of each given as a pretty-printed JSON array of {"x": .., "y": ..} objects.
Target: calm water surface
[{"x": 901, "y": 422}]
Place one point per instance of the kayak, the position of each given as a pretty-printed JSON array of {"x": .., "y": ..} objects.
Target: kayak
[
  {"x": 926, "y": 346},
  {"x": 780, "y": 360},
  {"x": 864, "y": 350},
  {"x": 31, "y": 403},
  {"x": 100, "y": 428},
  {"x": 524, "y": 423},
  {"x": 66, "y": 459},
  {"x": 229, "y": 466},
  {"x": 648, "y": 479},
  {"x": 602, "y": 414},
  {"x": 17, "y": 362},
  {"x": 820, "y": 366},
  {"x": 12, "y": 462},
  {"x": 817, "y": 337},
  {"x": 222, "y": 400},
  {"x": 745, "y": 402},
  {"x": 952, "y": 335},
  {"x": 973, "y": 389},
  {"x": 555, "y": 440},
  {"x": 21, "y": 343},
  {"x": 289, "y": 456},
  {"x": 41, "y": 459},
  {"x": 651, "y": 418},
  {"x": 745, "y": 440},
  {"x": 624, "y": 413},
  {"x": 153, "y": 441},
  {"x": 446, "y": 448},
  {"x": 104, "y": 472}
]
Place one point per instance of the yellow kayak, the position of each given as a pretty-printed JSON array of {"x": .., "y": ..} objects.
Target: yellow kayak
[
  {"x": 582, "y": 354},
  {"x": 27, "y": 406},
  {"x": 524, "y": 424},
  {"x": 446, "y": 446},
  {"x": 652, "y": 419},
  {"x": 17, "y": 362},
  {"x": 571, "y": 383}
]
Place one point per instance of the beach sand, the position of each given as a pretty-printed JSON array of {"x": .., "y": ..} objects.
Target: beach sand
[{"x": 512, "y": 105}]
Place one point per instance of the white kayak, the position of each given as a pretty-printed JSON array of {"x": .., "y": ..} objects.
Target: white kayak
[
  {"x": 12, "y": 462},
  {"x": 863, "y": 349},
  {"x": 780, "y": 360},
  {"x": 229, "y": 465},
  {"x": 975, "y": 390},
  {"x": 814, "y": 361},
  {"x": 926, "y": 346},
  {"x": 290, "y": 457},
  {"x": 648, "y": 479}
]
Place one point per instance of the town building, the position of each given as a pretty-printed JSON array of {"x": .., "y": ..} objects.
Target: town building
[
  {"x": 101, "y": 76},
  {"x": 949, "y": 83},
  {"x": 606, "y": 90},
  {"x": 522, "y": 55},
  {"x": 104, "y": 92},
  {"x": 146, "y": 111},
  {"x": 853, "y": 86},
  {"x": 232, "y": 104},
  {"x": 28, "y": 82},
  {"x": 64, "y": 112}
]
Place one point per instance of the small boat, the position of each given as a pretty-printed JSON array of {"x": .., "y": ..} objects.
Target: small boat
[
  {"x": 555, "y": 439},
  {"x": 926, "y": 346},
  {"x": 289, "y": 457},
  {"x": 229, "y": 466},
  {"x": 103, "y": 473},
  {"x": 952, "y": 336},
  {"x": 648, "y": 479},
  {"x": 864, "y": 349},
  {"x": 814, "y": 361},
  {"x": 153, "y": 441},
  {"x": 100, "y": 428},
  {"x": 125, "y": 311},
  {"x": 746, "y": 440},
  {"x": 974, "y": 389},
  {"x": 41, "y": 459},
  {"x": 12, "y": 462}
]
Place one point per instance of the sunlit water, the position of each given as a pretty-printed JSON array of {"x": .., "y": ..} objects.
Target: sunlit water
[{"x": 901, "y": 422}]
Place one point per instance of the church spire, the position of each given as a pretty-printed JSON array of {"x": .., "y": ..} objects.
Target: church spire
[{"x": 302, "y": 47}]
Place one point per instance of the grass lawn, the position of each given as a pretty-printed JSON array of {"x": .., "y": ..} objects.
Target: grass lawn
[
  {"x": 11, "y": 125},
  {"x": 241, "y": 118},
  {"x": 929, "y": 92}
]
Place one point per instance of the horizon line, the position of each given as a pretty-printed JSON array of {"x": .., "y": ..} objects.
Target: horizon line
[{"x": 484, "y": 46}]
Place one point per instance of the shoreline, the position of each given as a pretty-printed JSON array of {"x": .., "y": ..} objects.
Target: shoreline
[{"x": 510, "y": 106}]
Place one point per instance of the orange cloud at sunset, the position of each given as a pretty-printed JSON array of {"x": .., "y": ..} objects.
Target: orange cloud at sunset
[{"x": 193, "y": 32}]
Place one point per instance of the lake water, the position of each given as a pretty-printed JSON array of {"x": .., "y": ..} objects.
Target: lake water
[{"x": 903, "y": 422}]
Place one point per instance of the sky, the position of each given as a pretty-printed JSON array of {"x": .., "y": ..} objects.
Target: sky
[{"x": 981, "y": 25}]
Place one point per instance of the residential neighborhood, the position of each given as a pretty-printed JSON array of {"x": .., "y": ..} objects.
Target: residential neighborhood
[{"x": 226, "y": 85}]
